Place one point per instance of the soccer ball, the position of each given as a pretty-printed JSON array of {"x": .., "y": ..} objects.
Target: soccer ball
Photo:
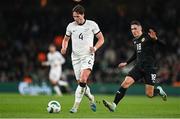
[{"x": 54, "y": 107}]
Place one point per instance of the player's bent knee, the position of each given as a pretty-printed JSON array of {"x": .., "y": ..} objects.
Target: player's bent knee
[
  {"x": 84, "y": 79},
  {"x": 127, "y": 82},
  {"x": 84, "y": 75}
]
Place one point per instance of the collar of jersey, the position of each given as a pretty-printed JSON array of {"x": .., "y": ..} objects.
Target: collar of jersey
[
  {"x": 83, "y": 23},
  {"x": 137, "y": 40}
]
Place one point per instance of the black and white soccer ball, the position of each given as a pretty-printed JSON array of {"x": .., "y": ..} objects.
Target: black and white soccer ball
[{"x": 54, "y": 107}]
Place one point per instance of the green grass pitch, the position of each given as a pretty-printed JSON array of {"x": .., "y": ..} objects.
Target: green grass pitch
[{"x": 17, "y": 106}]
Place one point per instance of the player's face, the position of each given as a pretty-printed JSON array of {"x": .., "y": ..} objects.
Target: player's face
[
  {"x": 52, "y": 48},
  {"x": 79, "y": 18},
  {"x": 136, "y": 30}
]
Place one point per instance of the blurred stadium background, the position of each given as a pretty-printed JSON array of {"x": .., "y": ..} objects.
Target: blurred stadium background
[{"x": 27, "y": 27}]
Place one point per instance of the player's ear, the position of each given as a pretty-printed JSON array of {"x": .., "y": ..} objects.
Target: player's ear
[{"x": 140, "y": 27}]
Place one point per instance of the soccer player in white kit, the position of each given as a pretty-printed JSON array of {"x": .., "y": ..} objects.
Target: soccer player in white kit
[
  {"x": 55, "y": 61},
  {"x": 81, "y": 32}
]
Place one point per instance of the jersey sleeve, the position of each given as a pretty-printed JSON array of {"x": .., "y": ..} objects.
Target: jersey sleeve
[
  {"x": 96, "y": 29},
  {"x": 48, "y": 60},
  {"x": 68, "y": 31}
]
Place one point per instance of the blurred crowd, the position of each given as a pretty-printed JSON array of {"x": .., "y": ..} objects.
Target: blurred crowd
[{"x": 27, "y": 28}]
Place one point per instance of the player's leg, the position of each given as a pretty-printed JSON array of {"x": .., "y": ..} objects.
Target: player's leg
[
  {"x": 133, "y": 76},
  {"x": 81, "y": 78},
  {"x": 77, "y": 71},
  {"x": 80, "y": 89},
  {"x": 54, "y": 81},
  {"x": 82, "y": 70},
  {"x": 64, "y": 83},
  {"x": 162, "y": 93},
  {"x": 61, "y": 82},
  {"x": 56, "y": 87},
  {"x": 88, "y": 63},
  {"x": 82, "y": 84},
  {"x": 119, "y": 94},
  {"x": 152, "y": 91},
  {"x": 91, "y": 98}
]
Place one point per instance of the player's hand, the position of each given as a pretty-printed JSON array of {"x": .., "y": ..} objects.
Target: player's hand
[
  {"x": 63, "y": 51},
  {"x": 152, "y": 34},
  {"x": 121, "y": 65},
  {"x": 92, "y": 49}
]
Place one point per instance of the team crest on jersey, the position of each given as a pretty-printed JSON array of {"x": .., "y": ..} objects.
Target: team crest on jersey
[
  {"x": 143, "y": 39},
  {"x": 74, "y": 31}
]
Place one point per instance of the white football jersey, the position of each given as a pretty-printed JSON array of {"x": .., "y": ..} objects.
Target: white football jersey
[
  {"x": 55, "y": 59},
  {"x": 82, "y": 36}
]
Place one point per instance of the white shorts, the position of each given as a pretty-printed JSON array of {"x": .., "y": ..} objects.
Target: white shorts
[
  {"x": 83, "y": 62},
  {"x": 55, "y": 74}
]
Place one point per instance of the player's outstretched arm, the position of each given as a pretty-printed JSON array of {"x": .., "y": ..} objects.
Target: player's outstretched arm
[
  {"x": 153, "y": 35},
  {"x": 123, "y": 64},
  {"x": 45, "y": 63},
  {"x": 132, "y": 58},
  {"x": 99, "y": 43},
  {"x": 65, "y": 44}
]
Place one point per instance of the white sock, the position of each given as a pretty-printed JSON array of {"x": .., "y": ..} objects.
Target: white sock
[
  {"x": 88, "y": 94},
  {"x": 57, "y": 90},
  {"x": 78, "y": 96},
  {"x": 62, "y": 83},
  {"x": 114, "y": 105}
]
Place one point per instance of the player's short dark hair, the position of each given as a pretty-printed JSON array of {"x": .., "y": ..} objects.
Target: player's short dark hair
[
  {"x": 52, "y": 45},
  {"x": 135, "y": 22},
  {"x": 79, "y": 9}
]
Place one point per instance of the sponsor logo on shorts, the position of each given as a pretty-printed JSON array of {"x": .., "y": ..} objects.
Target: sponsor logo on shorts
[
  {"x": 153, "y": 77},
  {"x": 89, "y": 62}
]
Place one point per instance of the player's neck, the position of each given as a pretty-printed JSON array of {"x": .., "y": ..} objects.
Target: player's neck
[
  {"x": 53, "y": 52},
  {"x": 82, "y": 22},
  {"x": 139, "y": 35}
]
